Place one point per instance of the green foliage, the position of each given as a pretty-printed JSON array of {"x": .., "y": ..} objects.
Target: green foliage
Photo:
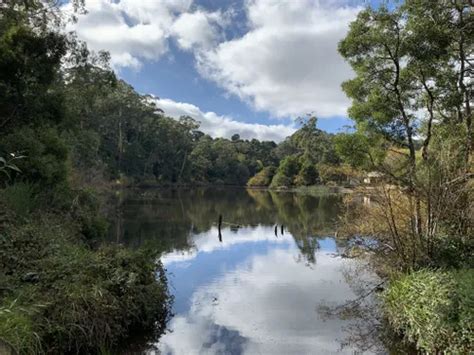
[
  {"x": 302, "y": 152},
  {"x": 89, "y": 299},
  {"x": 313, "y": 144},
  {"x": 20, "y": 198},
  {"x": 338, "y": 174},
  {"x": 281, "y": 181},
  {"x": 358, "y": 150},
  {"x": 7, "y": 166},
  {"x": 84, "y": 148},
  {"x": 286, "y": 172},
  {"x": 308, "y": 175},
  {"x": 289, "y": 166},
  {"x": 58, "y": 294},
  {"x": 224, "y": 161},
  {"x": 29, "y": 63},
  {"x": 262, "y": 178},
  {"x": 45, "y": 152},
  {"x": 434, "y": 309},
  {"x": 17, "y": 329}
]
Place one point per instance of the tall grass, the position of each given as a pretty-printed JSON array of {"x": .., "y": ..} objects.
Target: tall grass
[
  {"x": 17, "y": 329},
  {"x": 434, "y": 309}
]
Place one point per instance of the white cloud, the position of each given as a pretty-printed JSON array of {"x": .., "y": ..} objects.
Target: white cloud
[
  {"x": 266, "y": 305},
  {"x": 197, "y": 29},
  {"x": 287, "y": 63},
  {"x": 223, "y": 126},
  {"x": 132, "y": 30},
  {"x": 208, "y": 242}
]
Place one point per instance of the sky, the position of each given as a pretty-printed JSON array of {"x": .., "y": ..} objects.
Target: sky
[{"x": 238, "y": 66}]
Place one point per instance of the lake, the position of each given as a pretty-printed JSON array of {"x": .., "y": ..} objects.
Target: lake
[{"x": 259, "y": 285}]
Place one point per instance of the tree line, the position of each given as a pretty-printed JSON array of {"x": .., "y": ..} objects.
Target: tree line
[{"x": 65, "y": 111}]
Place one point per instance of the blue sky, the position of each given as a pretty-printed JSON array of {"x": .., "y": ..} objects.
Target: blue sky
[{"x": 242, "y": 66}]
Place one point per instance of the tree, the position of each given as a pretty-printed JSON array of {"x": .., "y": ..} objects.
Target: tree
[
  {"x": 308, "y": 175},
  {"x": 286, "y": 172},
  {"x": 31, "y": 102},
  {"x": 411, "y": 63}
]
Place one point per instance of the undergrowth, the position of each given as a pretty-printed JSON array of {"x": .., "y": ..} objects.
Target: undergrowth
[{"x": 62, "y": 292}]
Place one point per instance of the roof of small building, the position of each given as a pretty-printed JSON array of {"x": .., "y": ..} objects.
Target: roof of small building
[{"x": 374, "y": 174}]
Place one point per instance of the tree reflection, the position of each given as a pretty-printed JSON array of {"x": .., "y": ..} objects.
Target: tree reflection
[
  {"x": 167, "y": 219},
  {"x": 367, "y": 330}
]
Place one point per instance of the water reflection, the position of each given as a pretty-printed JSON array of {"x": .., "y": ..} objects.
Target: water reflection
[
  {"x": 255, "y": 297},
  {"x": 253, "y": 288},
  {"x": 169, "y": 219}
]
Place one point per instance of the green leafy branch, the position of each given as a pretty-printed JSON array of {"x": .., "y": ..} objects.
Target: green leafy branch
[{"x": 8, "y": 165}]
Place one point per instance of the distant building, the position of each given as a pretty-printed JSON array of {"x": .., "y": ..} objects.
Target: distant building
[{"x": 373, "y": 177}]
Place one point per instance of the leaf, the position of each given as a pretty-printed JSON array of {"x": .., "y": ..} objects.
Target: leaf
[{"x": 13, "y": 167}]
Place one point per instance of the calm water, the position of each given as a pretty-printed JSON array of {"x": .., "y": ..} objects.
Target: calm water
[{"x": 254, "y": 289}]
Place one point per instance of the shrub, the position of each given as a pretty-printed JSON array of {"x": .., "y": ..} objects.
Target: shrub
[
  {"x": 71, "y": 298},
  {"x": 45, "y": 152},
  {"x": 339, "y": 174},
  {"x": 308, "y": 175},
  {"x": 20, "y": 198},
  {"x": 281, "y": 180},
  {"x": 433, "y": 309},
  {"x": 263, "y": 177},
  {"x": 86, "y": 204}
]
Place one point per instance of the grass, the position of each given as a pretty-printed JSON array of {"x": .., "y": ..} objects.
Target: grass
[
  {"x": 433, "y": 309},
  {"x": 318, "y": 190},
  {"x": 17, "y": 329}
]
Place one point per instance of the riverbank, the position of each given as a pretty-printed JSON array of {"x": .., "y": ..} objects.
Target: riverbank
[
  {"x": 427, "y": 297},
  {"x": 312, "y": 189},
  {"x": 62, "y": 289}
]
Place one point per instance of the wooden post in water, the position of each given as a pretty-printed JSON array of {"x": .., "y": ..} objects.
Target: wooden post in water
[
  {"x": 276, "y": 230},
  {"x": 219, "y": 225},
  {"x": 282, "y": 229}
]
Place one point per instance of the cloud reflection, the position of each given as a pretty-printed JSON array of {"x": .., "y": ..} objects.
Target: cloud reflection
[
  {"x": 266, "y": 304},
  {"x": 208, "y": 242}
]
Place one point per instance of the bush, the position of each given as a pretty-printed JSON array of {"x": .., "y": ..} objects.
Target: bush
[
  {"x": 281, "y": 180},
  {"x": 45, "y": 152},
  {"x": 20, "y": 198},
  {"x": 307, "y": 176},
  {"x": 86, "y": 204},
  {"x": 434, "y": 309},
  {"x": 16, "y": 330},
  {"x": 71, "y": 298},
  {"x": 338, "y": 174},
  {"x": 263, "y": 177}
]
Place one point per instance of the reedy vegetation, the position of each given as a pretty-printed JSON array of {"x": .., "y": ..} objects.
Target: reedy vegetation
[{"x": 411, "y": 101}]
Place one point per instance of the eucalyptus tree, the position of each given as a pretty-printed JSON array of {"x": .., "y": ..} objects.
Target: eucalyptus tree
[
  {"x": 32, "y": 49},
  {"x": 412, "y": 88}
]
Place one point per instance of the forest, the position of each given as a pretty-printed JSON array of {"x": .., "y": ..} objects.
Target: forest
[
  {"x": 73, "y": 119},
  {"x": 70, "y": 129},
  {"x": 72, "y": 132}
]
